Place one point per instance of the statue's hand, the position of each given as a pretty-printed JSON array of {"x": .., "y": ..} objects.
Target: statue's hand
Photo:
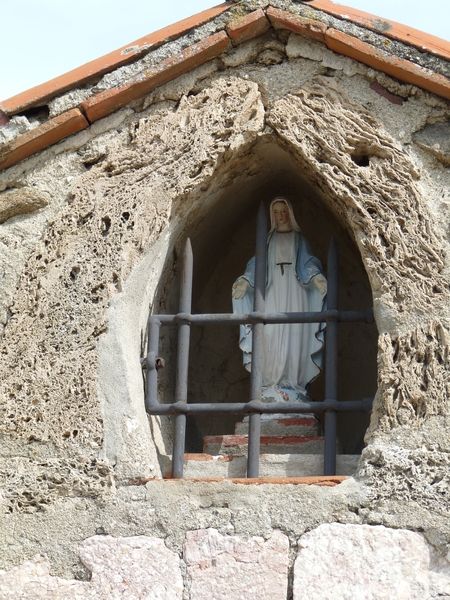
[
  {"x": 240, "y": 287},
  {"x": 321, "y": 284}
]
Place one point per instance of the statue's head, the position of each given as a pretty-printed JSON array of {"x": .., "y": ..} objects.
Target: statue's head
[{"x": 282, "y": 216}]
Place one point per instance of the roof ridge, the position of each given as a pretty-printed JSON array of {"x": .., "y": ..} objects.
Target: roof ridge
[{"x": 237, "y": 30}]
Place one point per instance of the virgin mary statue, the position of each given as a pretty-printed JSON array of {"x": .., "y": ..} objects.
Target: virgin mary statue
[{"x": 294, "y": 283}]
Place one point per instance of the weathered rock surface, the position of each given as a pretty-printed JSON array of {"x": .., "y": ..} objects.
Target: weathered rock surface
[
  {"x": 435, "y": 139},
  {"x": 32, "y": 579},
  {"x": 225, "y": 567},
  {"x": 361, "y": 170},
  {"x": 20, "y": 202},
  {"x": 49, "y": 380},
  {"x": 334, "y": 561},
  {"x": 345, "y": 562},
  {"x": 77, "y": 279},
  {"x": 137, "y": 567}
]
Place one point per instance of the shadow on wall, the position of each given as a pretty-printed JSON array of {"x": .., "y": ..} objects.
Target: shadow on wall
[{"x": 221, "y": 225}]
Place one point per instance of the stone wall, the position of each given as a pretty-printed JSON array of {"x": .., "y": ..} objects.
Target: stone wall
[
  {"x": 331, "y": 561},
  {"x": 90, "y": 238}
]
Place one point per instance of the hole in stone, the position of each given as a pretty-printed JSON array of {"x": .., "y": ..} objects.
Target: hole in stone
[
  {"x": 125, "y": 216},
  {"x": 74, "y": 273},
  {"x": 84, "y": 219},
  {"x": 106, "y": 225},
  {"x": 362, "y": 160},
  {"x": 38, "y": 113},
  {"x": 329, "y": 72}
]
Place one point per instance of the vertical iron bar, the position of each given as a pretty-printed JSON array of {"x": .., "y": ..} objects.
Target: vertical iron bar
[
  {"x": 182, "y": 361},
  {"x": 151, "y": 396},
  {"x": 254, "y": 429},
  {"x": 329, "y": 462}
]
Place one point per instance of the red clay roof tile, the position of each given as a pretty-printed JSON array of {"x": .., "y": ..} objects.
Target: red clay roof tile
[
  {"x": 41, "y": 137},
  {"x": 401, "y": 69},
  {"x": 248, "y": 27},
  {"x": 40, "y": 94},
  {"x": 282, "y": 19},
  {"x": 108, "y": 101},
  {"x": 397, "y": 31},
  {"x": 245, "y": 28}
]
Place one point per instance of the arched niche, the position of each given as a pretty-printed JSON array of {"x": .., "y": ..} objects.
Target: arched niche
[
  {"x": 355, "y": 182},
  {"x": 221, "y": 226}
]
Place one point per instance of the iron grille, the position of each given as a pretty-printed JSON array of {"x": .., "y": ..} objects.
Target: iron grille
[{"x": 184, "y": 319}]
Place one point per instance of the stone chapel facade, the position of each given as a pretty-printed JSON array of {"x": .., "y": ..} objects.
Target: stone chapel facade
[{"x": 105, "y": 171}]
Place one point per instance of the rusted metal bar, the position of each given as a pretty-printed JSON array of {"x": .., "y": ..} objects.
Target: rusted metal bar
[
  {"x": 246, "y": 408},
  {"x": 182, "y": 362},
  {"x": 151, "y": 394},
  {"x": 329, "y": 458},
  {"x": 347, "y": 316},
  {"x": 254, "y": 426}
]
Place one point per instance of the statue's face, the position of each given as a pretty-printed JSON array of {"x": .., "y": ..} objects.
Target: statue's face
[{"x": 281, "y": 214}]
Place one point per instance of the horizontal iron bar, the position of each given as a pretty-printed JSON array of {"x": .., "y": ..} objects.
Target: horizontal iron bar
[
  {"x": 266, "y": 318},
  {"x": 260, "y": 407}
]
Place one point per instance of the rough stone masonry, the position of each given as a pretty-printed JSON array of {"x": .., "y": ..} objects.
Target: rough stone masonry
[{"x": 87, "y": 230}]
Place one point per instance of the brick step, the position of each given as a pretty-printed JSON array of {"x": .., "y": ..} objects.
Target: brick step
[
  {"x": 282, "y": 425},
  {"x": 270, "y": 444},
  {"x": 200, "y": 466}
]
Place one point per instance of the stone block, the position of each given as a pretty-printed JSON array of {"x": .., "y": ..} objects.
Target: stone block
[
  {"x": 361, "y": 562},
  {"x": 21, "y": 201},
  {"x": 270, "y": 444},
  {"x": 435, "y": 138},
  {"x": 134, "y": 567},
  {"x": 291, "y": 425},
  {"x": 222, "y": 567},
  {"x": 205, "y": 466},
  {"x": 32, "y": 579}
]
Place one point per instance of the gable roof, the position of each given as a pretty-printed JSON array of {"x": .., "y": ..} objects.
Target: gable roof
[{"x": 402, "y": 52}]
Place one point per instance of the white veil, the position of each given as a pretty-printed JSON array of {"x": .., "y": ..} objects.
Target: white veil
[{"x": 294, "y": 223}]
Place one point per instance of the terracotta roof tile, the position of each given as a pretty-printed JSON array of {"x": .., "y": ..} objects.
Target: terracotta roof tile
[
  {"x": 401, "y": 69},
  {"x": 244, "y": 28},
  {"x": 110, "y": 100},
  {"x": 248, "y": 27},
  {"x": 397, "y": 31},
  {"x": 41, "y": 137},
  {"x": 40, "y": 94},
  {"x": 309, "y": 28}
]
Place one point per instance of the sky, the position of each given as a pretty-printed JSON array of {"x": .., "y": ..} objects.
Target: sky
[{"x": 41, "y": 39}]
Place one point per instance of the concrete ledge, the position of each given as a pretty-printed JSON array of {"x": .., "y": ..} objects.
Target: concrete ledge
[
  {"x": 325, "y": 481},
  {"x": 42, "y": 93},
  {"x": 285, "y": 466}
]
